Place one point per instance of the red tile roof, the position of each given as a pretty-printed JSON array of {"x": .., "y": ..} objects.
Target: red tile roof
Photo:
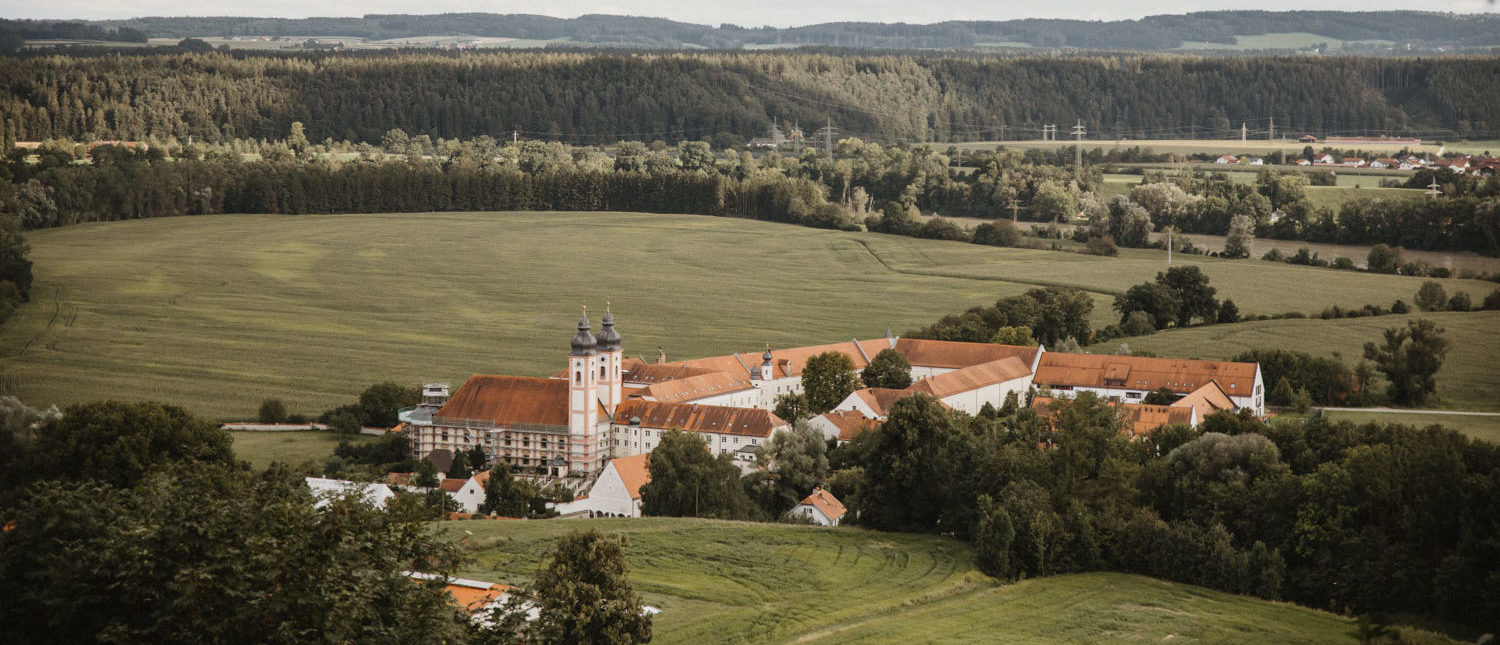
[
  {"x": 1207, "y": 400},
  {"x": 649, "y": 373},
  {"x": 954, "y": 355},
  {"x": 880, "y": 399},
  {"x": 973, "y": 377},
  {"x": 825, "y": 502},
  {"x": 1143, "y": 373},
  {"x": 851, "y": 423},
  {"x": 474, "y": 598},
  {"x": 452, "y": 485},
  {"x": 695, "y": 387},
  {"x": 634, "y": 472},
  {"x": 510, "y": 400},
  {"x": 752, "y": 422},
  {"x": 789, "y": 362}
]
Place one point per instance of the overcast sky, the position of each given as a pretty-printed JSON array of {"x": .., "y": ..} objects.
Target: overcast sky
[{"x": 780, "y": 13}]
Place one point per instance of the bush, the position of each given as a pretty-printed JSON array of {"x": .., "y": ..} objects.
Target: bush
[
  {"x": 1400, "y": 307},
  {"x": 1431, "y": 296},
  {"x": 997, "y": 233},
  {"x": 344, "y": 423},
  {"x": 1492, "y": 301},
  {"x": 1101, "y": 246},
  {"x": 1137, "y": 323},
  {"x": 1460, "y": 302},
  {"x": 1273, "y": 255},
  {"x": 272, "y": 411}
]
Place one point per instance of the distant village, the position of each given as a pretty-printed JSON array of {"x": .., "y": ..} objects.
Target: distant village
[{"x": 592, "y": 425}]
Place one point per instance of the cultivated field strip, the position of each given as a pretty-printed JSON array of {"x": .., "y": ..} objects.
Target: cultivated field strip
[{"x": 217, "y": 313}]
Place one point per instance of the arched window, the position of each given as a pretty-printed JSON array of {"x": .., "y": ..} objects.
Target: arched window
[{"x": 578, "y": 378}]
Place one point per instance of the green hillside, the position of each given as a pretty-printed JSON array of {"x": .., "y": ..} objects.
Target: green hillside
[
  {"x": 734, "y": 582},
  {"x": 217, "y": 313}
]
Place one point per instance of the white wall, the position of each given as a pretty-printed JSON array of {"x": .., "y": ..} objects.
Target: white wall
[
  {"x": 608, "y": 496},
  {"x": 470, "y": 496},
  {"x": 811, "y": 512},
  {"x": 972, "y": 401}
]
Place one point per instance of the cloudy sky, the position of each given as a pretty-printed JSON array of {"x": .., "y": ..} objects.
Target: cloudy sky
[{"x": 779, "y": 13}]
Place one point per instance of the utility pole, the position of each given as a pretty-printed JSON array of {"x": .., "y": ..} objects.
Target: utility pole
[
  {"x": 828, "y": 138},
  {"x": 515, "y": 135},
  {"x": 1015, "y": 205},
  {"x": 1433, "y": 190},
  {"x": 1272, "y": 136},
  {"x": 1169, "y": 230},
  {"x": 1078, "y": 133},
  {"x": 1244, "y": 132}
]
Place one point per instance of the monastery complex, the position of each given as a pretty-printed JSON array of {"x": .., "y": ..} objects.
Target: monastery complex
[{"x": 604, "y": 406}]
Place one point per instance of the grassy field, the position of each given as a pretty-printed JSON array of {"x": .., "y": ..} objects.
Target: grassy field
[
  {"x": 218, "y": 313},
  {"x": 1486, "y": 428},
  {"x": 1469, "y": 379},
  {"x": 291, "y": 448},
  {"x": 722, "y": 582}
]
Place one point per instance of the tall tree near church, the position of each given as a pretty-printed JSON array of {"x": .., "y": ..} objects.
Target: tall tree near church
[
  {"x": 889, "y": 369},
  {"x": 795, "y": 462},
  {"x": 904, "y": 475},
  {"x": 688, "y": 481},
  {"x": 827, "y": 379}
]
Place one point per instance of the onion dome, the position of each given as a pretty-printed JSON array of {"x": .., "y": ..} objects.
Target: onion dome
[
  {"x": 609, "y": 339},
  {"x": 583, "y": 343}
]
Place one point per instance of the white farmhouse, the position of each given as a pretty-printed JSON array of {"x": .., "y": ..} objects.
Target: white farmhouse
[
  {"x": 821, "y": 507},
  {"x": 617, "y": 491}
]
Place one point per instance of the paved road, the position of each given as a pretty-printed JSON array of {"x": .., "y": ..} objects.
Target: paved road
[{"x": 1404, "y": 411}]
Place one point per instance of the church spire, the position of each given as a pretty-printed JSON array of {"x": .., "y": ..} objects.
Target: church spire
[
  {"x": 584, "y": 343},
  {"x": 609, "y": 339}
]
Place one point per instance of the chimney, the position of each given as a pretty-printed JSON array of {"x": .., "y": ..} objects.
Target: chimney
[{"x": 661, "y": 355}]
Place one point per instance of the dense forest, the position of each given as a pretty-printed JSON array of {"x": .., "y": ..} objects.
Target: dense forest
[
  {"x": 1149, "y": 33},
  {"x": 600, "y": 98}
]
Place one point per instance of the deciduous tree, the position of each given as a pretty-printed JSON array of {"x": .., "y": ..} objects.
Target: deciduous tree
[
  {"x": 889, "y": 369},
  {"x": 826, "y": 379},
  {"x": 1410, "y": 359}
]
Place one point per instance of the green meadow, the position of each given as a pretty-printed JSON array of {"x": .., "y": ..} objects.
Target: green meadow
[
  {"x": 735, "y": 582},
  {"x": 1469, "y": 379},
  {"x": 290, "y": 448},
  {"x": 216, "y": 313}
]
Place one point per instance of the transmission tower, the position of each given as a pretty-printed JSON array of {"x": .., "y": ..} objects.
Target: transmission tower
[
  {"x": 1433, "y": 190},
  {"x": 827, "y": 131},
  {"x": 1078, "y": 133}
]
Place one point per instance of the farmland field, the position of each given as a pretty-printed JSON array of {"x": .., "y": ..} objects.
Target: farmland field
[
  {"x": 1468, "y": 380},
  {"x": 737, "y": 582},
  {"x": 1486, "y": 428},
  {"x": 290, "y": 448},
  {"x": 1206, "y": 146},
  {"x": 216, "y": 313}
]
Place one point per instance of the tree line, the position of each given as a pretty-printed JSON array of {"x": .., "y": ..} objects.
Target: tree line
[
  {"x": 1149, "y": 33},
  {"x": 592, "y": 97}
]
